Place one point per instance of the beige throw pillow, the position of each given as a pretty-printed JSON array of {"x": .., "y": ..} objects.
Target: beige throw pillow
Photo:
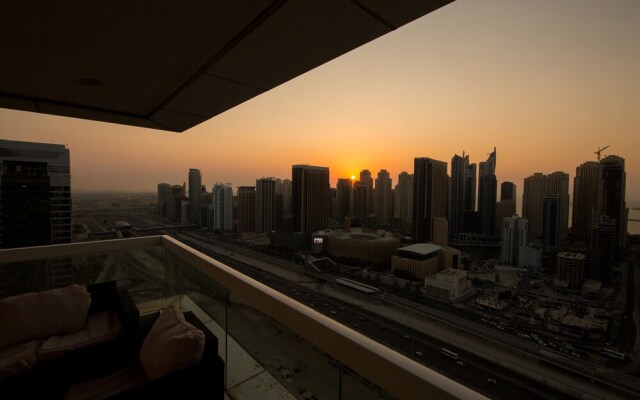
[
  {"x": 172, "y": 344},
  {"x": 40, "y": 315}
]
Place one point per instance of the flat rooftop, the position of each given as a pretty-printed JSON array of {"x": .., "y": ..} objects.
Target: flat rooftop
[{"x": 420, "y": 249}]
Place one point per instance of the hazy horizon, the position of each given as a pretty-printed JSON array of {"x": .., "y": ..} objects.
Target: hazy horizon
[{"x": 546, "y": 83}]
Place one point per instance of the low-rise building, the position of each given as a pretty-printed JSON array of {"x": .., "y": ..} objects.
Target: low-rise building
[
  {"x": 569, "y": 272},
  {"x": 423, "y": 259},
  {"x": 371, "y": 246},
  {"x": 591, "y": 289},
  {"x": 450, "y": 284}
]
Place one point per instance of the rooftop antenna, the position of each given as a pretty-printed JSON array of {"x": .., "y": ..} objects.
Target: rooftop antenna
[{"x": 600, "y": 150}]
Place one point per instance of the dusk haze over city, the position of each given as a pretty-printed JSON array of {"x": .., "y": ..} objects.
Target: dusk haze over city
[
  {"x": 320, "y": 199},
  {"x": 547, "y": 83}
]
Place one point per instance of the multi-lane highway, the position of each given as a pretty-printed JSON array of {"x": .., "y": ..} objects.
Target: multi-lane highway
[{"x": 487, "y": 378}]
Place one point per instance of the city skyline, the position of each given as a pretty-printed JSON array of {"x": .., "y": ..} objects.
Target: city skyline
[{"x": 545, "y": 83}]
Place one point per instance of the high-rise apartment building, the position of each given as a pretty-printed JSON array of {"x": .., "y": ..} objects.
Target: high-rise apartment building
[
  {"x": 403, "y": 204},
  {"x": 195, "y": 187},
  {"x": 223, "y": 206},
  {"x": 554, "y": 220},
  {"x": 602, "y": 248},
  {"x": 343, "y": 199},
  {"x": 174, "y": 210},
  {"x": 246, "y": 209},
  {"x": 310, "y": 196},
  {"x": 35, "y": 194},
  {"x": 508, "y": 191},
  {"x": 384, "y": 198},
  {"x": 587, "y": 198},
  {"x": 459, "y": 167},
  {"x": 286, "y": 196},
  {"x": 164, "y": 193},
  {"x": 536, "y": 187},
  {"x": 206, "y": 201},
  {"x": 614, "y": 179},
  {"x": 360, "y": 201},
  {"x": 470, "y": 186},
  {"x": 487, "y": 194},
  {"x": 430, "y": 190},
  {"x": 506, "y": 207},
  {"x": 367, "y": 180},
  {"x": 265, "y": 204},
  {"x": 285, "y": 189},
  {"x": 514, "y": 238}
]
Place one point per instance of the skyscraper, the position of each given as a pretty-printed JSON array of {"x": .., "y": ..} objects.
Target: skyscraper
[
  {"x": 343, "y": 199},
  {"x": 366, "y": 179},
  {"x": 459, "y": 166},
  {"x": 360, "y": 201},
  {"x": 602, "y": 247},
  {"x": 195, "y": 186},
  {"x": 384, "y": 198},
  {"x": 222, "y": 206},
  {"x": 178, "y": 195},
  {"x": 403, "y": 204},
  {"x": 164, "y": 193},
  {"x": 587, "y": 198},
  {"x": 536, "y": 187},
  {"x": 614, "y": 179},
  {"x": 286, "y": 196},
  {"x": 554, "y": 226},
  {"x": 508, "y": 192},
  {"x": 514, "y": 237},
  {"x": 310, "y": 196},
  {"x": 265, "y": 204},
  {"x": 430, "y": 189},
  {"x": 246, "y": 209},
  {"x": 206, "y": 202},
  {"x": 487, "y": 194},
  {"x": 470, "y": 175},
  {"x": 35, "y": 194}
]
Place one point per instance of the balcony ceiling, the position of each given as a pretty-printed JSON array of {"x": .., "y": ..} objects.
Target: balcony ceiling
[{"x": 171, "y": 65}]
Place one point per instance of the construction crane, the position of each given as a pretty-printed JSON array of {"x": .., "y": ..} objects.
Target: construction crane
[{"x": 600, "y": 150}]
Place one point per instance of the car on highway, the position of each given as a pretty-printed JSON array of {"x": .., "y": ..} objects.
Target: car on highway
[
  {"x": 492, "y": 381},
  {"x": 419, "y": 353},
  {"x": 407, "y": 337},
  {"x": 460, "y": 363}
]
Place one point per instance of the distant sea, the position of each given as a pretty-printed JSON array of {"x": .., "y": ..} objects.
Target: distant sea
[{"x": 633, "y": 227}]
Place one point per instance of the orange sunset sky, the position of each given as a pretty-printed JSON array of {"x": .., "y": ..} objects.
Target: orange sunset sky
[{"x": 546, "y": 82}]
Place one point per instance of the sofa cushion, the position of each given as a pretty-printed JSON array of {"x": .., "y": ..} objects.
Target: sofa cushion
[
  {"x": 171, "y": 344},
  {"x": 40, "y": 315},
  {"x": 100, "y": 327},
  {"x": 17, "y": 358}
]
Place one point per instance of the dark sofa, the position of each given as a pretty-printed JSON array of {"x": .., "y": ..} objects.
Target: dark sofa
[
  {"x": 50, "y": 378},
  {"x": 80, "y": 373}
]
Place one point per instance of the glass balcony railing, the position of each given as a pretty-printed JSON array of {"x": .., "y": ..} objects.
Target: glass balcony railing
[{"x": 272, "y": 345}]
